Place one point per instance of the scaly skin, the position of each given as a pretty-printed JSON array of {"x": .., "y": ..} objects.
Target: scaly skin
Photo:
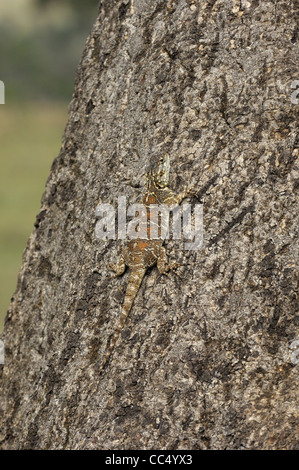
[{"x": 141, "y": 254}]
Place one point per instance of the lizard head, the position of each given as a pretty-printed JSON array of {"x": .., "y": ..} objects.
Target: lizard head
[{"x": 160, "y": 173}]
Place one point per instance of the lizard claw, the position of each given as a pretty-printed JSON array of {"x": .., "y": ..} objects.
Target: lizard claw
[
  {"x": 174, "y": 268},
  {"x": 117, "y": 268},
  {"x": 112, "y": 267},
  {"x": 112, "y": 276},
  {"x": 194, "y": 193}
]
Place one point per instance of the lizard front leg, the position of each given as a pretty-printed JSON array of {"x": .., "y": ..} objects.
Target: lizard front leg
[{"x": 186, "y": 192}]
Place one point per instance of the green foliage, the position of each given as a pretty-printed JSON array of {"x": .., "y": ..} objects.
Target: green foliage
[
  {"x": 40, "y": 62},
  {"x": 77, "y": 5},
  {"x": 30, "y": 139}
]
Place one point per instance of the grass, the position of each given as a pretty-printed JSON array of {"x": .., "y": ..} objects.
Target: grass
[{"x": 30, "y": 136}]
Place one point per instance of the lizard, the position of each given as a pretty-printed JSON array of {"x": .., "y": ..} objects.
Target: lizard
[{"x": 141, "y": 254}]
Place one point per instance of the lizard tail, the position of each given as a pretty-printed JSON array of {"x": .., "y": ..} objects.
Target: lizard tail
[{"x": 135, "y": 280}]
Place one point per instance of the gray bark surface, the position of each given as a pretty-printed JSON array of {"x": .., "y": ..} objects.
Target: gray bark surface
[{"x": 205, "y": 361}]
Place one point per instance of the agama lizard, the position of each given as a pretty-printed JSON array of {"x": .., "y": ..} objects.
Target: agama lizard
[{"x": 141, "y": 254}]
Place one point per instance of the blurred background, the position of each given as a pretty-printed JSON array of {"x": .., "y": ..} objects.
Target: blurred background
[{"x": 41, "y": 44}]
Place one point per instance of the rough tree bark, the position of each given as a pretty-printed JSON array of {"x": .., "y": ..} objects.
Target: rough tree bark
[{"x": 205, "y": 360}]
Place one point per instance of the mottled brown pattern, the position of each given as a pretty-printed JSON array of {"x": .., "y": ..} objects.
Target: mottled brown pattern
[{"x": 141, "y": 254}]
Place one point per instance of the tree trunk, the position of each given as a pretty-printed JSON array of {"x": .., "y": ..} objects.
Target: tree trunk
[{"x": 207, "y": 359}]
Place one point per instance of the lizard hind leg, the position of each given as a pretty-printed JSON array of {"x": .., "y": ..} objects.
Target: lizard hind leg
[
  {"x": 118, "y": 268},
  {"x": 163, "y": 266}
]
